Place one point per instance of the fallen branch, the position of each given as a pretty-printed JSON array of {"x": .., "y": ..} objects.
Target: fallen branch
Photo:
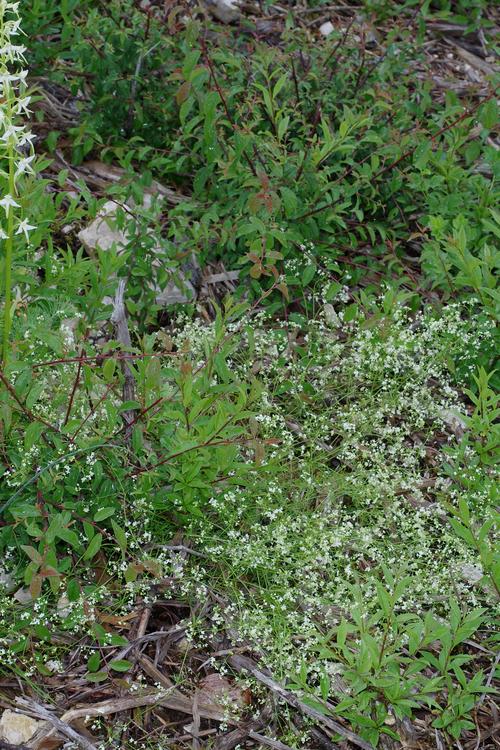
[
  {"x": 263, "y": 740},
  {"x": 58, "y": 725}
]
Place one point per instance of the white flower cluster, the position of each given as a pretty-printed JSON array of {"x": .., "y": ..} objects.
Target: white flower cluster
[
  {"x": 15, "y": 140},
  {"x": 363, "y": 448}
]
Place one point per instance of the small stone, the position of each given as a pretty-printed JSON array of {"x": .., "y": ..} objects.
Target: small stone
[
  {"x": 23, "y": 596},
  {"x": 183, "y": 646},
  {"x": 471, "y": 573},
  {"x": 102, "y": 233},
  {"x": 226, "y": 11},
  {"x": 217, "y": 690},
  {"x": 63, "y": 607},
  {"x": 55, "y": 666},
  {"x": 326, "y": 28},
  {"x": 331, "y": 316},
  {"x": 16, "y": 728},
  {"x": 455, "y": 422}
]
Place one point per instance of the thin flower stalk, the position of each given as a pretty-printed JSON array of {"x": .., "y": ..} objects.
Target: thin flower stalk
[{"x": 14, "y": 140}]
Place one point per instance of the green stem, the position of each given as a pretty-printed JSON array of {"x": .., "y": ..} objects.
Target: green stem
[{"x": 9, "y": 242}]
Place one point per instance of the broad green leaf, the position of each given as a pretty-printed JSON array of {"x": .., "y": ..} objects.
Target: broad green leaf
[
  {"x": 121, "y": 665},
  {"x": 93, "y": 548}
]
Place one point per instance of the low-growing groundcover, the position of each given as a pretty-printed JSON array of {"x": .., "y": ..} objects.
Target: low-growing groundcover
[
  {"x": 333, "y": 482},
  {"x": 271, "y": 518}
]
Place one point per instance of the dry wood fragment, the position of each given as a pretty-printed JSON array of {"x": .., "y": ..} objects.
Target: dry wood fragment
[
  {"x": 58, "y": 725},
  {"x": 473, "y": 60},
  {"x": 179, "y": 702},
  {"x": 263, "y": 740},
  {"x": 217, "y": 278}
]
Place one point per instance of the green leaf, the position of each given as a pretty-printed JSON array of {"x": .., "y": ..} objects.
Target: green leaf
[
  {"x": 93, "y": 548},
  {"x": 129, "y": 406},
  {"x": 462, "y": 531},
  {"x": 94, "y": 662},
  {"x": 489, "y": 115},
  {"x": 69, "y": 536},
  {"x": 35, "y": 393},
  {"x": 108, "y": 369},
  {"x": 104, "y": 513},
  {"x": 222, "y": 368},
  {"x": 73, "y": 590},
  {"x": 100, "y": 633},
  {"x": 350, "y": 312},
  {"x": 96, "y": 677},
  {"x": 290, "y": 202},
  {"x": 42, "y": 632},
  {"x": 63, "y": 174},
  {"x": 137, "y": 439},
  {"x": 308, "y": 274},
  {"x": 117, "y": 640},
  {"x": 121, "y": 665},
  {"x": 32, "y": 553},
  {"x": 32, "y": 434},
  {"x": 120, "y": 535}
]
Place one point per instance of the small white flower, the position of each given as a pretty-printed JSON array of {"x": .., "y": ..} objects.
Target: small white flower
[
  {"x": 7, "y": 201},
  {"x": 23, "y": 165},
  {"x": 28, "y": 137},
  {"x": 13, "y": 77},
  {"x": 11, "y": 28},
  {"x": 13, "y": 51},
  {"x": 11, "y": 132},
  {"x": 22, "y": 105},
  {"x": 24, "y": 228},
  {"x": 3, "y": 236}
]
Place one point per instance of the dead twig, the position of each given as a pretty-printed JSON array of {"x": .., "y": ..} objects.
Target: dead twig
[
  {"x": 263, "y": 740},
  {"x": 489, "y": 680},
  {"x": 58, "y": 725}
]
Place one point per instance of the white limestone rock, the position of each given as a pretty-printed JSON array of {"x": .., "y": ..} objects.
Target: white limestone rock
[
  {"x": 226, "y": 11},
  {"x": 103, "y": 234},
  {"x": 326, "y": 28},
  {"x": 17, "y": 729}
]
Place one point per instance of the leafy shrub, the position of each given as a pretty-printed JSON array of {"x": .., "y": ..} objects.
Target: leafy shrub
[{"x": 321, "y": 161}]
